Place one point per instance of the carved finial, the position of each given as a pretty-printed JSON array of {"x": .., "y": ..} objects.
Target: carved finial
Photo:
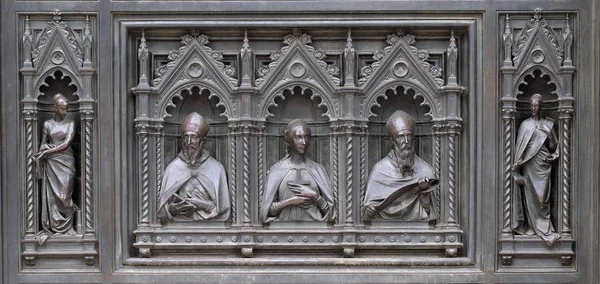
[
  {"x": 87, "y": 43},
  {"x": 56, "y": 17},
  {"x": 143, "y": 58},
  {"x": 538, "y": 14},
  {"x": 27, "y": 40},
  {"x": 296, "y": 32},
  {"x": 246, "y": 53},
  {"x": 349, "y": 55},
  {"x": 452, "y": 57},
  {"x": 508, "y": 41},
  {"x": 567, "y": 42}
]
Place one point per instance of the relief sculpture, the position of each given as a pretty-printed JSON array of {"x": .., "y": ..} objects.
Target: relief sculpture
[
  {"x": 297, "y": 188},
  {"x": 400, "y": 184},
  {"x": 56, "y": 169},
  {"x": 536, "y": 150},
  {"x": 194, "y": 184}
]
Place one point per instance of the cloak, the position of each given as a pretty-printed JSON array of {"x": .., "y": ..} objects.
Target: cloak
[
  {"x": 386, "y": 178},
  {"x": 276, "y": 176},
  {"x": 205, "y": 172}
]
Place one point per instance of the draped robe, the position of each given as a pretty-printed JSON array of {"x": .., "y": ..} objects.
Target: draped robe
[
  {"x": 276, "y": 189},
  {"x": 531, "y": 202},
  {"x": 386, "y": 177},
  {"x": 205, "y": 180}
]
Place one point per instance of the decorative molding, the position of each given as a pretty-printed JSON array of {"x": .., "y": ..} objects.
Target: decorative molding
[
  {"x": 420, "y": 54},
  {"x": 302, "y": 41}
]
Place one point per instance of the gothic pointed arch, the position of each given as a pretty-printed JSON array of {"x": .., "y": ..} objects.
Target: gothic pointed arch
[{"x": 401, "y": 63}]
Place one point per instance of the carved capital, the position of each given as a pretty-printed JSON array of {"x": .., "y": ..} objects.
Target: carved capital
[
  {"x": 347, "y": 128},
  {"x": 508, "y": 113},
  {"x": 565, "y": 113},
  {"x": 246, "y": 127},
  {"x": 30, "y": 115},
  {"x": 87, "y": 114},
  {"x": 143, "y": 128}
]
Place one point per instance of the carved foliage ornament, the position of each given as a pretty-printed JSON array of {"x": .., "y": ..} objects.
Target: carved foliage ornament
[
  {"x": 421, "y": 54},
  {"x": 60, "y": 27},
  {"x": 176, "y": 55},
  {"x": 304, "y": 40}
]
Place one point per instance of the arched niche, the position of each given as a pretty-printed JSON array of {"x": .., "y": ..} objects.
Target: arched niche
[
  {"x": 196, "y": 99},
  {"x": 538, "y": 82},
  {"x": 58, "y": 82},
  {"x": 379, "y": 142},
  {"x": 296, "y": 103}
]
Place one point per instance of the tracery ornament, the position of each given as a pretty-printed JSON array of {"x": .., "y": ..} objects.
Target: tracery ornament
[
  {"x": 176, "y": 54},
  {"x": 409, "y": 40},
  {"x": 304, "y": 40}
]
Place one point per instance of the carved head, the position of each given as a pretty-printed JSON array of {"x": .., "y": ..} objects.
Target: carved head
[
  {"x": 61, "y": 105},
  {"x": 401, "y": 128},
  {"x": 193, "y": 130},
  {"x": 296, "y": 136},
  {"x": 535, "y": 103}
]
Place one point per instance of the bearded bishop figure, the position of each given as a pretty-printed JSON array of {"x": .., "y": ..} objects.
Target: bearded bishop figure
[
  {"x": 194, "y": 186},
  {"x": 399, "y": 185}
]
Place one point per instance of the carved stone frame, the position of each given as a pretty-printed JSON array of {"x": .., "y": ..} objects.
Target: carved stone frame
[
  {"x": 349, "y": 129},
  {"x": 522, "y": 58},
  {"x": 74, "y": 50}
]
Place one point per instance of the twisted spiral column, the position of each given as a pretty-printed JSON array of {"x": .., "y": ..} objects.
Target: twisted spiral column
[
  {"x": 232, "y": 176},
  {"x": 508, "y": 117},
  {"x": 89, "y": 222},
  {"x": 334, "y": 150},
  {"x": 363, "y": 168},
  {"x": 566, "y": 173},
  {"x": 349, "y": 179},
  {"x": 452, "y": 179},
  {"x": 437, "y": 168},
  {"x": 246, "y": 178},
  {"x": 145, "y": 180},
  {"x": 261, "y": 169},
  {"x": 30, "y": 119}
]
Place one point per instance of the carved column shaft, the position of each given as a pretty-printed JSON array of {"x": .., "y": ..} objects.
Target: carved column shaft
[
  {"x": 335, "y": 171},
  {"x": 565, "y": 169},
  {"x": 453, "y": 137},
  {"x": 363, "y": 164},
  {"x": 87, "y": 117},
  {"x": 437, "y": 129},
  {"x": 31, "y": 147},
  {"x": 143, "y": 133},
  {"x": 508, "y": 117},
  {"x": 233, "y": 171}
]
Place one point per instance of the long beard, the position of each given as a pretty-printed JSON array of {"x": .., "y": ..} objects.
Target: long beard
[
  {"x": 191, "y": 154},
  {"x": 406, "y": 160}
]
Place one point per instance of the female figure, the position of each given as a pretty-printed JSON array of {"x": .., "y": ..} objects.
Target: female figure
[
  {"x": 297, "y": 188},
  {"x": 57, "y": 171},
  {"x": 536, "y": 149}
]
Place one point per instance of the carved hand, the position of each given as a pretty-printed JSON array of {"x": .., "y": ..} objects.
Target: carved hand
[
  {"x": 551, "y": 157},
  {"x": 519, "y": 179},
  {"x": 298, "y": 200},
  {"x": 369, "y": 212},
  {"x": 39, "y": 155},
  {"x": 423, "y": 183},
  {"x": 303, "y": 191},
  {"x": 180, "y": 208}
]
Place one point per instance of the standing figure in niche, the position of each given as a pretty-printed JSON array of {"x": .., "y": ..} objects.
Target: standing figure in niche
[
  {"x": 194, "y": 186},
  {"x": 536, "y": 149},
  {"x": 56, "y": 169},
  {"x": 297, "y": 188},
  {"x": 400, "y": 184}
]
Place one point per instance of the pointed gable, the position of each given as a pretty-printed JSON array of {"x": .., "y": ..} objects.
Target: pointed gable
[
  {"x": 537, "y": 45},
  {"x": 57, "y": 45},
  {"x": 297, "y": 61},
  {"x": 194, "y": 61},
  {"x": 297, "y": 64},
  {"x": 400, "y": 63}
]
